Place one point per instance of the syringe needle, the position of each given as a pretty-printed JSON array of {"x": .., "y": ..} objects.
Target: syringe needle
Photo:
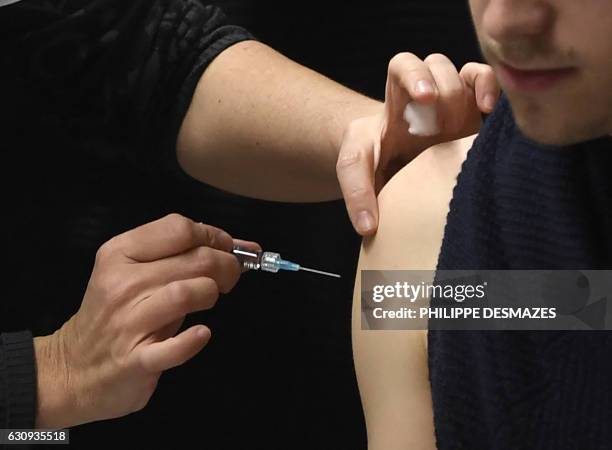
[{"x": 320, "y": 272}]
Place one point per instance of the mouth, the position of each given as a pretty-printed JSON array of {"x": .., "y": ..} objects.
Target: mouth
[{"x": 533, "y": 80}]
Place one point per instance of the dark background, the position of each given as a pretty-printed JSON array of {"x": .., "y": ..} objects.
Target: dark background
[{"x": 278, "y": 372}]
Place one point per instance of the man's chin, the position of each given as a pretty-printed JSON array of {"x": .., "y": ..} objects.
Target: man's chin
[
  {"x": 548, "y": 123},
  {"x": 558, "y": 135}
]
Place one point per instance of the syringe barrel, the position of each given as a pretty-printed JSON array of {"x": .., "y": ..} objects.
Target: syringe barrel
[{"x": 249, "y": 259}]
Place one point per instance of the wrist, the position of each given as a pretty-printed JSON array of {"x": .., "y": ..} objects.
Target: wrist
[{"x": 56, "y": 406}]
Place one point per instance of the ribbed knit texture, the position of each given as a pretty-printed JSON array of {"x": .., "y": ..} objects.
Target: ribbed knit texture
[
  {"x": 92, "y": 95},
  {"x": 17, "y": 380},
  {"x": 520, "y": 205}
]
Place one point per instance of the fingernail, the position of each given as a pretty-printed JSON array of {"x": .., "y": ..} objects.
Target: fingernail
[
  {"x": 424, "y": 87},
  {"x": 489, "y": 102},
  {"x": 365, "y": 221},
  {"x": 202, "y": 332}
]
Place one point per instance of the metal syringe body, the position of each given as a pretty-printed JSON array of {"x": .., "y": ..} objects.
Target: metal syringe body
[
  {"x": 266, "y": 261},
  {"x": 270, "y": 262}
]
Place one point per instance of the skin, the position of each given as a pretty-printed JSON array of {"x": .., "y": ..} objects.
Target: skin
[
  {"x": 392, "y": 366},
  {"x": 302, "y": 129},
  {"x": 105, "y": 361},
  {"x": 287, "y": 122},
  {"x": 553, "y": 34}
]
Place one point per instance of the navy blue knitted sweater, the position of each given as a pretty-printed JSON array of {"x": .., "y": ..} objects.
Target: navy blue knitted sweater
[{"x": 521, "y": 205}]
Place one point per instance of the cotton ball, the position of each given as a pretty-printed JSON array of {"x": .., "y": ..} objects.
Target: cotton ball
[{"x": 423, "y": 119}]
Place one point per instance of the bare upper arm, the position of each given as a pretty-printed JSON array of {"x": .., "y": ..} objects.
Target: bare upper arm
[{"x": 391, "y": 366}]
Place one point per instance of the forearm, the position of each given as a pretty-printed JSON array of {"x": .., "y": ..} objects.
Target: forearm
[{"x": 263, "y": 126}]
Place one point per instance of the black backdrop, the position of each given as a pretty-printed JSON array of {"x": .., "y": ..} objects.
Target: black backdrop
[{"x": 278, "y": 373}]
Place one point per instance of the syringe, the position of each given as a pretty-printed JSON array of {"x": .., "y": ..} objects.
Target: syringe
[{"x": 270, "y": 262}]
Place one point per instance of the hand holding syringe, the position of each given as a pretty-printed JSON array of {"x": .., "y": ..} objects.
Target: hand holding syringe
[{"x": 270, "y": 262}]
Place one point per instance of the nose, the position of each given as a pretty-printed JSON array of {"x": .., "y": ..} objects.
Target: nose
[{"x": 507, "y": 20}]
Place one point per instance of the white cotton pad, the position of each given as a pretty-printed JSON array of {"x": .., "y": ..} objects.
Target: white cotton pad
[{"x": 423, "y": 119}]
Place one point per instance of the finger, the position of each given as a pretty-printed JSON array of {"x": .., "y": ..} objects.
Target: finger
[
  {"x": 174, "y": 351},
  {"x": 411, "y": 95},
  {"x": 171, "y": 235},
  {"x": 411, "y": 75},
  {"x": 169, "y": 330},
  {"x": 172, "y": 303},
  {"x": 481, "y": 79},
  {"x": 451, "y": 97},
  {"x": 221, "y": 266},
  {"x": 248, "y": 245},
  {"x": 355, "y": 170}
]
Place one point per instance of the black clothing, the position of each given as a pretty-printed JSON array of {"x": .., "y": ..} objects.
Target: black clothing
[
  {"x": 521, "y": 205},
  {"x": 277, "y": 373},
  {"x": 17, "y": 381},
  {"x": 92, "y": 97}
]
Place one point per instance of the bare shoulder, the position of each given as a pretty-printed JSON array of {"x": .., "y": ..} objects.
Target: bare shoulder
[{"x": 413, "y": 208}]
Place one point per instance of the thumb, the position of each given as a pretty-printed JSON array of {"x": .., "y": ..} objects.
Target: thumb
[
  {"x": 481, "y": 80},
  {"x": 355, "y": 170}
]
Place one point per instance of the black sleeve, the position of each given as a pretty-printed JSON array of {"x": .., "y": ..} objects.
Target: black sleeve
[
  {"x": 120, "y": 73},
  {"x": 17, "y": 381},
  {"x": 176, "y": 42}
]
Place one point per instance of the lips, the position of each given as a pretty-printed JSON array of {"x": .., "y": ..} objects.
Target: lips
[{"x": 532, "y": 80}]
